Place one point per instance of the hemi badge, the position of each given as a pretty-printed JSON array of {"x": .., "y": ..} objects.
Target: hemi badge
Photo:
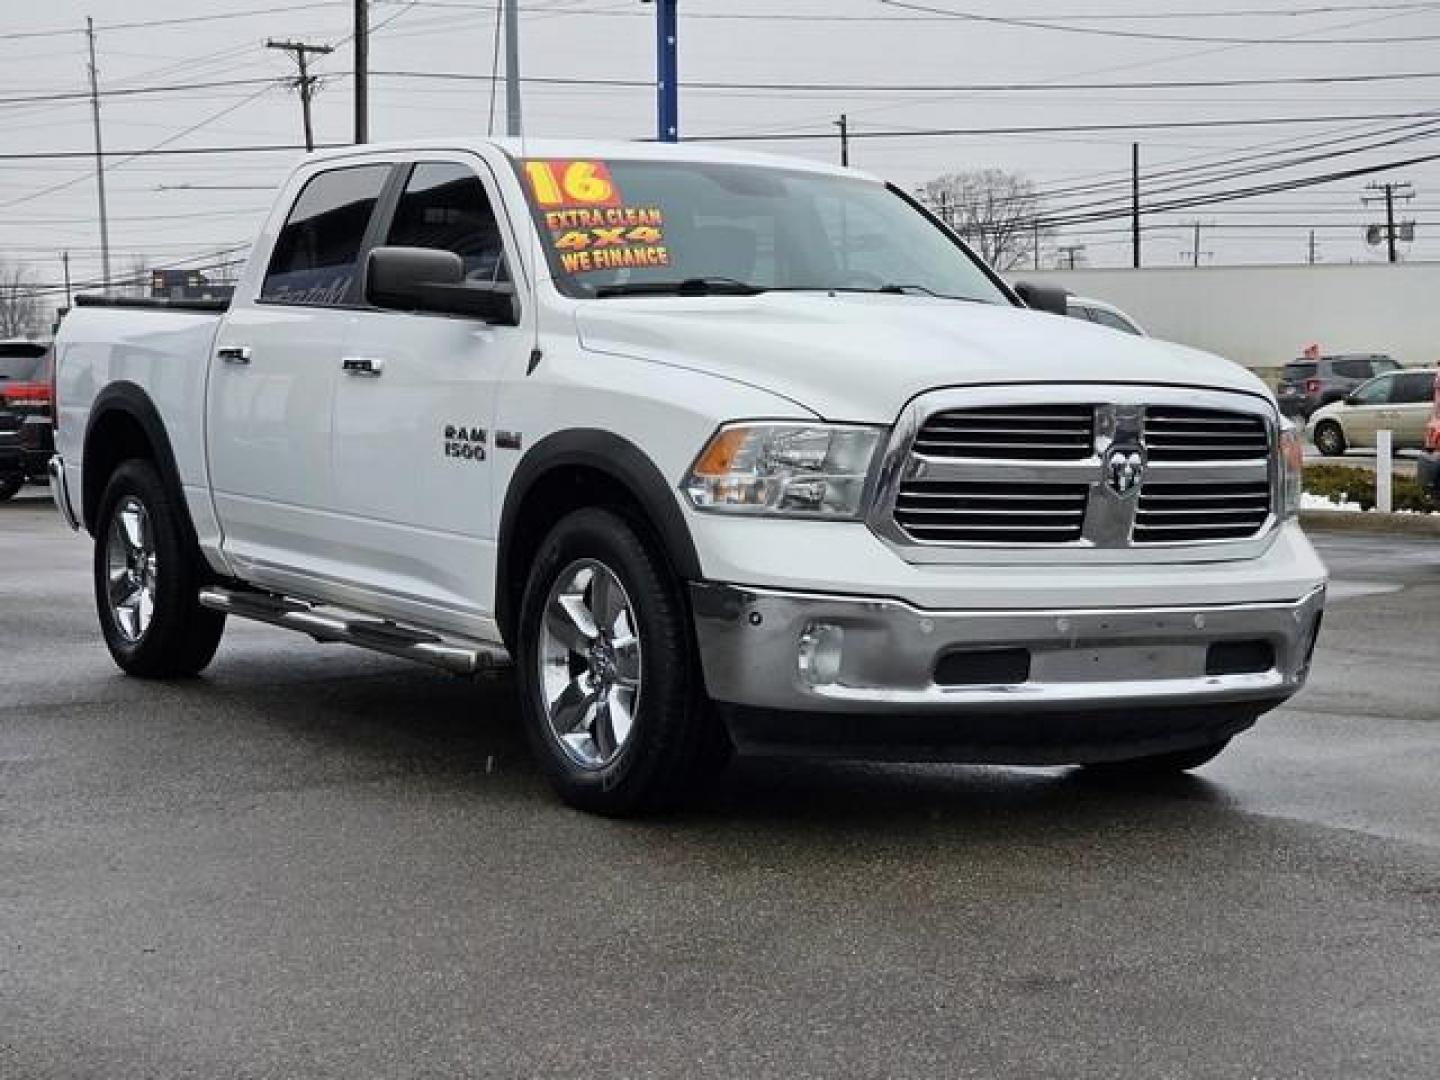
[{"x": 507, "y": 440}]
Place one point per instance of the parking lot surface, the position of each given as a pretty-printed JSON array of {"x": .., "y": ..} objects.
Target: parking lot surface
[{"x": 316, "y": 862}]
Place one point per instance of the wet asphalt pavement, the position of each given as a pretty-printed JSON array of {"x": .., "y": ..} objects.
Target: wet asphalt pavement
[{"x": 316, "y": 862}]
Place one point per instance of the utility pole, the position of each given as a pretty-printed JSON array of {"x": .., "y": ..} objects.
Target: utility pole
[
  {"x": 1195, "y": 251},
  {"x": 306, "y": 82},
  {"x": 844, "y": 125},
  {"x": 1312, "y": 247},
  {"x": 1389, "y": 192},
  {"x": 65, "y": 262},
  {"x": 1135, "y": 202},
  {"x": 362, "y": 71},
  {"x": 99, "y": 156},
  {"x": 667, "y": 72},
  {"x": 512, "y": 68},
  {"x": 1070, "y": 251},
  {"x": 1035, "y": 241}
]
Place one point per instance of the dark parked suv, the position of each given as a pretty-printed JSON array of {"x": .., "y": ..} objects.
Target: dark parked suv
[
  {"x": 1307, "y": 385},
  {"x": 26, "y": 414}
]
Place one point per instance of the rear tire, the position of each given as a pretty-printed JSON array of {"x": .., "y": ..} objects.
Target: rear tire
[
  {"x": 147, "y": 580},
  {"x": 10, "y": 487},
  {"x": 1157, "y": 766},
  {"x": 1330, "y": 439},
  {"x": 610, "y": 683}
]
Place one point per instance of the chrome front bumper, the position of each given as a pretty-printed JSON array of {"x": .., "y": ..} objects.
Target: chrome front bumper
[
  {"x": 884, "y": 658},
  {"x": 60, "y": 492}
]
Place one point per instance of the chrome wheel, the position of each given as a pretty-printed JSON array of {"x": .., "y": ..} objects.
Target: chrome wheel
[
  {"x": 131, "y": 567},
  {"x": 589, "y": 661}
]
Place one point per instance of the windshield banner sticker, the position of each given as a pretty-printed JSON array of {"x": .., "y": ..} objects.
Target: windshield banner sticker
[
  {"x": 590, "y": 227},
  {"x": 621, "y": 238},
  {"x": 571, "y": 183}
]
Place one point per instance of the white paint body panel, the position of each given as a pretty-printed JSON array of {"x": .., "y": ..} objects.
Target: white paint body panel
[{"x": 337, "y": 489}]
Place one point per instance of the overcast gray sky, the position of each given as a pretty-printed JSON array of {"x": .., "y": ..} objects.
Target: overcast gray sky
[{"x": 844, "y": 44}]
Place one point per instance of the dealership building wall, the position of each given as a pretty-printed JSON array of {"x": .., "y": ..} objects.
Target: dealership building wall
[{"x": 1263, "y": 316}]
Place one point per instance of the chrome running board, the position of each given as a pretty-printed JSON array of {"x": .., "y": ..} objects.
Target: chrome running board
[{"x": 460, "y": 657}]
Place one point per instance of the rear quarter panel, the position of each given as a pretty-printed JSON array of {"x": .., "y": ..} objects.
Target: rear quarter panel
[{"x": 165, "y": 354}]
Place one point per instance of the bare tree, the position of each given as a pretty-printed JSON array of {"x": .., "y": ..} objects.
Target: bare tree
[
  {"x": 20, "y": 314},
  {"x": 994, "y": 211}
]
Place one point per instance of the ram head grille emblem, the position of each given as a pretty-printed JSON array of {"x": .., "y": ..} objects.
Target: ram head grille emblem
[{"x": 1124, "y": 468}]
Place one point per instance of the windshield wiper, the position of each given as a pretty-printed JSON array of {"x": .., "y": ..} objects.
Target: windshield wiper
[{"x": 695, "y": 286}]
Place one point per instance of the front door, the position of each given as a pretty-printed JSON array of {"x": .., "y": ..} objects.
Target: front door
[
  {"x": 272, "y": 379},
  {"x": 1365, "y": 409},
  {"x": 414, "y": 417}
]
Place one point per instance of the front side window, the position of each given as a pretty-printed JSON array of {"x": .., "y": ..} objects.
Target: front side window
[
  {"x": 615, "y": 226},
  {"x": 445, "y": 206},
  {"x": 316, "y": 257},
  {"x": 1375, "y": 392}
]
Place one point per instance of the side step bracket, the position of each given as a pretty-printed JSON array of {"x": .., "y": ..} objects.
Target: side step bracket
[{"x": 460, "y": 657}]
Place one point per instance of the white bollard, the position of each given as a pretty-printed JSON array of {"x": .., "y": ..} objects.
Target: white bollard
[{"x": 1384, "y": 470}]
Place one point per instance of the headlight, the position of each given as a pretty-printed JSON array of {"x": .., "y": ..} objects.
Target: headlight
[
  {"x": 785, "y": 470},
  {"x": 1292, "y": 468}
]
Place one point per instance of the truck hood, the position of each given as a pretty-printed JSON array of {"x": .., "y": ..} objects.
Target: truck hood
[{"x": 861, "y": 356}]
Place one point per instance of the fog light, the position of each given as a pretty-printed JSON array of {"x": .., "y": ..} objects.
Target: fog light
[{"x": 821, "y": 647}]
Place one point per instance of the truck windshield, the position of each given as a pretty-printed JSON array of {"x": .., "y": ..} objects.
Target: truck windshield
[{"x": 613, "y": 228}]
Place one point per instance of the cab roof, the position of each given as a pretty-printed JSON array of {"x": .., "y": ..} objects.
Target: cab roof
[{"x": 599, "y": 149}]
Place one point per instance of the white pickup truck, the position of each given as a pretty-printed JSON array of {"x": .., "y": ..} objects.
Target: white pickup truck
[{"x": 720, "y": 450}]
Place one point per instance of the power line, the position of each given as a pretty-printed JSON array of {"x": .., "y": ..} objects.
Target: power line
[
  {"x": 1146, "y": 35},
  {"x": 147, "y": 24}
]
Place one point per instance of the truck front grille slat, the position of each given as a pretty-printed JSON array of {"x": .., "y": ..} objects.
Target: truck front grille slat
[
  {"x": 986, "y": 513},
  {"x": 1174, "y": 513},
  {"x": 1041, "y": 432},
  {"x": 1176, "y": 433}
]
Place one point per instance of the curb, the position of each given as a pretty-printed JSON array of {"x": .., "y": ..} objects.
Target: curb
[{"x": 1371, "y": 521}]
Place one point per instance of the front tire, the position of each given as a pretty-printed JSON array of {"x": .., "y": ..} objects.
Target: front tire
[
  {"x": 611, "y": 689},
  {"x": 1330, "y": 439},
  {"x": 147, "y": 580},
  {"x": 10, "y": 487},
  {"x": 1157, "y": 766}
]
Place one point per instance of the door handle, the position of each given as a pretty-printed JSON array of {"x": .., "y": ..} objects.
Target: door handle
[
  {"x": 234, "y": 354},
  {"x": 371, "y": 367}
]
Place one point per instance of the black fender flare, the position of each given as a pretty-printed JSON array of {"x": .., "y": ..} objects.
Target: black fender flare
[
  {"x": 618, "y": 459},
  {"x": 129, "y": 399}
]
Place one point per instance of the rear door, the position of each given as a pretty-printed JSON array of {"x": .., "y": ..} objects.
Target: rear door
[
  {"x": 274, "y": 373},
  {"x": 414, "y": 413},
  {"x": 1410, "y": 404}
]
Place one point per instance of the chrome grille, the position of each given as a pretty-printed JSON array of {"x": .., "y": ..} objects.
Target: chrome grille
[
  {"x": 1174, "y": 433},
  {"x": 991, "y": 513},
  {"x": 1178, "y": 513},
  {"x": 1087, "y": 467},
  {"x": 1010, "y": 432}
]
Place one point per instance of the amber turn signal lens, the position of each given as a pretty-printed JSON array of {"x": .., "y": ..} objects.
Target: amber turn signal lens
[{"x": 720, "y": 455}]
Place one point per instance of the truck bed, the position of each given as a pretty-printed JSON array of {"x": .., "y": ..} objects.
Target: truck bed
[{"x": 150, "y": 303}]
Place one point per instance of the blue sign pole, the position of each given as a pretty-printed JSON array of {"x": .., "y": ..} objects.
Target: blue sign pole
[{"x": 667, "y": 69}]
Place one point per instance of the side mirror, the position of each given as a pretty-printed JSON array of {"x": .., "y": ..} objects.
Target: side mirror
[
  {"x": 1043, "y": 297},
  {"x": 430, "y": 280}
]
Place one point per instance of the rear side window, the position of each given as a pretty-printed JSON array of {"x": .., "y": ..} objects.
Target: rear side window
[
  {"x": 1352, "y": 368},
  {"x": 316, "y": 256},
  {"x": 445, "y": 206},
  {"x": 1414, "y": 388}
]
